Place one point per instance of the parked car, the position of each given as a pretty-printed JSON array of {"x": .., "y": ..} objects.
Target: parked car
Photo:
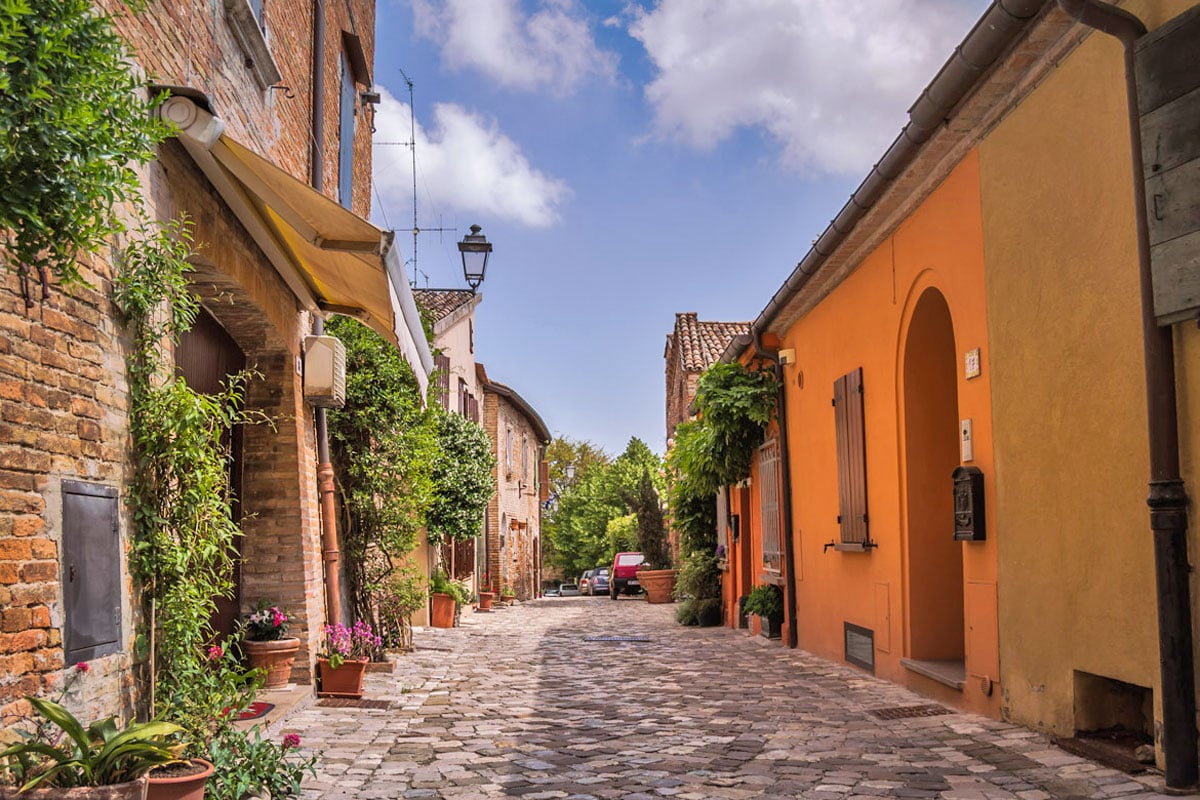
[
  {"x": 585, "y": 582},
  {"x": 599, "y": 585},
  {"x": 622, "y": 579},
  {"x": 568, "y": 590},
  {"x": 551, "y": 592}
]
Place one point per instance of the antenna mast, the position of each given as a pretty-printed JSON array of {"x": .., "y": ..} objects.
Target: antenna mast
[{"x": 412, "y": 145}]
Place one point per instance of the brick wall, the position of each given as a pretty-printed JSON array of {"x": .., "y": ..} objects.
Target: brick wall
[{"x": 514, "y": 562}]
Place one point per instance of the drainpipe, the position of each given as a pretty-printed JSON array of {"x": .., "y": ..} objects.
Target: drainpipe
[
  {"x": 785, "y": 494},
  {"x": 329, "y": 544},
  {"x": 1167, "y": 499}
]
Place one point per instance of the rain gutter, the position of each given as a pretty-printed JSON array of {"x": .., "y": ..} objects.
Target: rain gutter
[
  {"x": 1167, "y": 499},
  {"x": 996, "y": 30}
]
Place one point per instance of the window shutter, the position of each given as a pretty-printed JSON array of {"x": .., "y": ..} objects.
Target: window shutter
[
  {"x": 441, "y": 364},
  {"x": 768, "y": 505},
  {"x": 92, "y": 585},
  {"x": 544, "y": 480},
  {"x": 851, "y": 458}
]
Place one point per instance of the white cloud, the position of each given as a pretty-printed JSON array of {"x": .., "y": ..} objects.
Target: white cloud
[
  {"x": 830, "y": 80},
  {"x": 464, "y": 164},
  {"x": 552, "y": 47}
]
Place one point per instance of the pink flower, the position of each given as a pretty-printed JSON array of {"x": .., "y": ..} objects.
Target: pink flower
[
  {"x": 82, "y": 666},
  {"x": 215, "y": 653},
  {"x": 291, "y": 740},
  {"x": 279, "y": 618}
]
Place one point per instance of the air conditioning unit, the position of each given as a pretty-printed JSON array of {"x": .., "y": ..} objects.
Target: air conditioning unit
[{"x": 324, "y": 371}]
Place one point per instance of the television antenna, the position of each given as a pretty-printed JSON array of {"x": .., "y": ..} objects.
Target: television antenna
[{"x": 412, "y": 146}]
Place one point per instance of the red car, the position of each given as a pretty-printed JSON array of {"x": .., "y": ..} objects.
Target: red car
[{"x": 622, "y": 579}]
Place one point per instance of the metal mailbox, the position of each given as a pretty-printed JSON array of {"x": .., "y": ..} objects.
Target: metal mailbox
[{"x": 970, "y": 523}]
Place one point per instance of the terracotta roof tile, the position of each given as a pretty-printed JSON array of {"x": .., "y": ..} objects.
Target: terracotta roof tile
[
  {"x": 441, "y": 303},
  {"x": 701, "y": 343}
]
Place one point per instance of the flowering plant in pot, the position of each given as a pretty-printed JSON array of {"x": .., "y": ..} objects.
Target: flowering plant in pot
[
  {"x": 344, "y": 656},
  {"x": 486, "y": 595},
  {"x": 267, "y": 646},
  {"x": 252, "y": 765},
  {"x": 446, "y": 596}
]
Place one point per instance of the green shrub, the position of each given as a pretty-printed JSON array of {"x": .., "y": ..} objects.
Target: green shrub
[{"x": 765, "y": 600}]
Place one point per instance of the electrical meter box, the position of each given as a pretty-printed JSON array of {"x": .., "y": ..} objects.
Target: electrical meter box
[{"x": 324, "y": 371}]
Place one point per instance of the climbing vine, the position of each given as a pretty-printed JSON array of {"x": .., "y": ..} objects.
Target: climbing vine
[
  {"x": 383, "y": 443},
  {"x": 184, "y": 530},
  {"x": 74, "y": 123}
]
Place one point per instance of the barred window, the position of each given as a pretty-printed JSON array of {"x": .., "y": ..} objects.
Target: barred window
[{"x": 768, "y": 503}]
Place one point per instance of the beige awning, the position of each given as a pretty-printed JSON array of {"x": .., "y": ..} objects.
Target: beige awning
[{"x": 332, "y": 259}]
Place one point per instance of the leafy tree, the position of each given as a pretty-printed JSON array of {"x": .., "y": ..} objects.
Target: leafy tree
[
  {"x": 72, "y": 119},
  {"x": 464, "y": 470},
  {"x": 652, "y": 532},
  {"x": 383, "y": 444}
]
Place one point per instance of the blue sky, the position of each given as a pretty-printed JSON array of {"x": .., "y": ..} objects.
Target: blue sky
[{"x": 630, "y": 160}]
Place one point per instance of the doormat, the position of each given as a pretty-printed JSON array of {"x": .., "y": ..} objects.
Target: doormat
[
  {"x": 255, "y": 710},
  {"x": 616, "y": 638},
  {"x": 350, "y": 702},
  {"x": 908, "y": 712}
]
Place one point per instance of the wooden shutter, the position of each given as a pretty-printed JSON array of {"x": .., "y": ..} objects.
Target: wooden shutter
[
  {"x": 543, "y": 481},
  {"x": 441, "y": 363},
  {"x": 851, "y": 458}
]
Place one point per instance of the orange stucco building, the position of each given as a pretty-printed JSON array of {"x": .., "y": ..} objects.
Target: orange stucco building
[{"x": 954, "y": 497}]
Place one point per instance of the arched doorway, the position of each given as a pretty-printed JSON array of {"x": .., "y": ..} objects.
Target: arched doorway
[
  {"x": 205, "y": 357},
  {"x": 934, "y": 559}
]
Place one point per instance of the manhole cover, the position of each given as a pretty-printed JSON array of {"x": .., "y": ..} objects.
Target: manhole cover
[
  {"x": 349, "y": 702},
  {"x": 616, "y": 638},
  {"x": 908, "y": 712}
]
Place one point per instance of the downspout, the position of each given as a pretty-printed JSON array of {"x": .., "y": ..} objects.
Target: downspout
[
  {"x": 329, "y": 543},
  {"x": 1167, "y": 498},
  {"x": 785, "y": 469}
]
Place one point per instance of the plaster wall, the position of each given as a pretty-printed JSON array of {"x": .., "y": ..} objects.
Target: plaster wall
[
  {"x": 1075, "y": 563},
  {"x": 864, "y": 322}
]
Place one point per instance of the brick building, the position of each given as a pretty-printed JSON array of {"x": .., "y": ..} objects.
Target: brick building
[
  {"x": 272, "y": 165},
  {"x": 692, "y": 347},
  {"x": 513, "y": 549}
]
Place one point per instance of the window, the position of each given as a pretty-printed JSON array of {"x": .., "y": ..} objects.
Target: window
[
  {"x": 247, "y": 19},
  {"x": 508, "y": 442},
  {"x": 256, "y": 8},
  {"x": 463, "y": 408},
  {"x": 346, "y": 124},
  {"x": 524, "y": 457},
  {"x": 852, "y": 461},
  {"x": 768, "y": 505}
]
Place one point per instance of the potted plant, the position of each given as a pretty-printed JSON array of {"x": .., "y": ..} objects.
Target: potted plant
[
  {"x": 766, "y": 600},
  {"x": 656, "y": 574},
  {"x": 508, "y": 594},
  {"x": 343, "y": 658},
  {"x": 267, "y": 645},
  {"x": 444, "y": 598},
  {"x": 486, "y": 595},
  {"x": 103, "y": 761}
]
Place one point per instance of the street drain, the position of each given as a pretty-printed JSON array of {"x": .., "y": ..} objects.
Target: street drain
[
  {"x": 350, "y": 702},
  {"x": 908, "y": 712},
  {"x": 616, "y": 638}
]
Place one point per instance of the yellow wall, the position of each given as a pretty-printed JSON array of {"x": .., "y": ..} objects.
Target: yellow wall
[
  {"x": 1076, "y": 575},
  {"x": 864, "y": 322}
]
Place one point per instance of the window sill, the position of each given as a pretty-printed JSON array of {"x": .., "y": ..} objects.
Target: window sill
[
  {"x": 950, "y": 673},
  {"x": 253, "y": 42}
]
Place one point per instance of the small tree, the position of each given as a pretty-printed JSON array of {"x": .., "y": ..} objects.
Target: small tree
[
  {"x": 652, "y": 532},
  {"x": 463, "y": 476}
]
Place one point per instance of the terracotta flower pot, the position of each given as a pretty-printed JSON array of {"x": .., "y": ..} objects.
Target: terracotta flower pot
[
  {"x": 442, "y": 615},
  {"x": 274, "y": 658},
  {"x": 133, "y": 790},
  {"x": 659, "y": 584},
  {"x": 345, "y": 680},
  {"x": 485, "y": 601},
  {"x": 180, "y": 787}
]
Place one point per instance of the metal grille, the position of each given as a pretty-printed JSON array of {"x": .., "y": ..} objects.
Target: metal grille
[
  {"x": 908, "y": 712},
  {"x": 616, "y": 638},
  {"x": 768, "y": 501}
]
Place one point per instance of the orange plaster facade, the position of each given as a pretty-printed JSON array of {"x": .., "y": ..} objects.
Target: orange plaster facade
[{"x": 907, "y": 315}]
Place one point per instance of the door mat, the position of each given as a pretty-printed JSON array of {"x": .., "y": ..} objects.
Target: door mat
[
  {"x": 255, "y": 710},
  {"x": 909, "y": 712},
  {"x": 350, "y": 702}
]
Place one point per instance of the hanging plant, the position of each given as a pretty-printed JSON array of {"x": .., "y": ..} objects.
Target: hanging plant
[{"x": 74, "y": 123}]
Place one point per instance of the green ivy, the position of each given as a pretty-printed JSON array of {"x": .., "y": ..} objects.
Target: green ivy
[
  {"x": 382, "y": 443},
  {"x": 184, "y": 530},
  {"x": 464, "y": 472},
  {"x": 73, "y": 123}
]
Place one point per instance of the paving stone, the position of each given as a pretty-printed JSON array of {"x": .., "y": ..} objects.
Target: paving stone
[{"x": 507, "y": 706}]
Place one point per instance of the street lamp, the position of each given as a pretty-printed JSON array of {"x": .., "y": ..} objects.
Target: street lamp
[
  {"x": 475, "y": 249},
  {"x": 570, "y": 472}
]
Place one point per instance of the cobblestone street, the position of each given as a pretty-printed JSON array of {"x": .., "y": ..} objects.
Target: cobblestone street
[{"x": 517, "y": 704}]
